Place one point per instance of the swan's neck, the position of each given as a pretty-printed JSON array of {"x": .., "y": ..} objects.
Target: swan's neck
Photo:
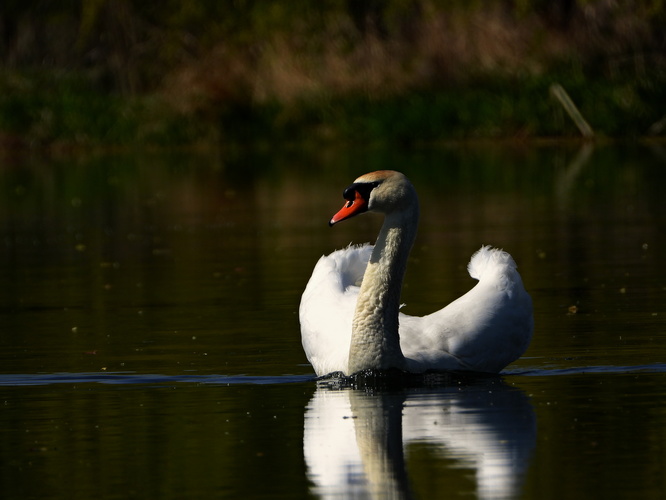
[{"x": 375, "y": 340}]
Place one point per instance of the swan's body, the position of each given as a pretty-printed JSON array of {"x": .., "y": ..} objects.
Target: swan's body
[{"x": 349, "y": 312}]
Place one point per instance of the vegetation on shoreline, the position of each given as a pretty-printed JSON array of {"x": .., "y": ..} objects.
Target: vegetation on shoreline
[{"x": 408, "y": 71}]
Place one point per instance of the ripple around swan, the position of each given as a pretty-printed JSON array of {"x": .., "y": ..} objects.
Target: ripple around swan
[
  {"x": 576, "y": 370},
  {"x": 128, "y": 378}
]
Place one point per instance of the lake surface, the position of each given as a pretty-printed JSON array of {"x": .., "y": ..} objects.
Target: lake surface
[{"x": 150, "y": 343}]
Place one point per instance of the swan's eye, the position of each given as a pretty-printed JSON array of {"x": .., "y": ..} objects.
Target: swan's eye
[
  {"x": 362, "y": 188},
  {"x": 349, "y": 195}
]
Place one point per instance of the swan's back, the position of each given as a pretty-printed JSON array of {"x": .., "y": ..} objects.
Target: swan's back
[{"x": 484, "y": 330}]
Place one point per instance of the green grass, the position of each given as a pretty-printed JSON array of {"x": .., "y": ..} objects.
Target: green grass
[
  {"x": 45, "y": 110},
  {"x": 51, "y": 109},
  {"x": 495, "y": 109}
]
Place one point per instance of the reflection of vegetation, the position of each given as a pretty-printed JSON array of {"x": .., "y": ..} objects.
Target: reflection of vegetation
[
  {"x": 167, "y": 235},
  {"x": 127, "y": 71},
  {"x": 151, "y": 441}
]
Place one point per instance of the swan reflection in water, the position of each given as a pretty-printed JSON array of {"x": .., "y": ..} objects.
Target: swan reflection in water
[{"x": 355, "y": 440}]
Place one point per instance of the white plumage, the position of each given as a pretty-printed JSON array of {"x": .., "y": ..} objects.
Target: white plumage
[{"x": 349, "y": 309}]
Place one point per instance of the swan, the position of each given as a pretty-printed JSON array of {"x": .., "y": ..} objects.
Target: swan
[{"x": 350, "y": 310}]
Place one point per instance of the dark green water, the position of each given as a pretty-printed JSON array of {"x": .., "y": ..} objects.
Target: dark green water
[{"x": 150, "y": 344}]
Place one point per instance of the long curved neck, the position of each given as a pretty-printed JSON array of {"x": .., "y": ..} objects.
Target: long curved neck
[{"x": 375, "y": 339}]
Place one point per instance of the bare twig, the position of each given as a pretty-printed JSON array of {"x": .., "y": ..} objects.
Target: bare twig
[{"x": 557, "y": 91}]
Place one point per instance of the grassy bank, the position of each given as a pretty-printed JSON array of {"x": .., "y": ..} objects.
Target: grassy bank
[
  {"x": 405, "y": 71},
  {"x": 53, "y": 111}
]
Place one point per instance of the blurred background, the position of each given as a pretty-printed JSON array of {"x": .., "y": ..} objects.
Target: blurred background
[{"x": 170, "y": 72}]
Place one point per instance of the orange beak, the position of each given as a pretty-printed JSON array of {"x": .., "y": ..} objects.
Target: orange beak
[{"x": 352, "y": 207}]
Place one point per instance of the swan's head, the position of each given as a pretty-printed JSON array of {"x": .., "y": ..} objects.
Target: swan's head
[{"x": 384, "y": 191}]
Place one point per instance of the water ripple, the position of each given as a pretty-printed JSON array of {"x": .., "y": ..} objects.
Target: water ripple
[
  {"x": 130, "y": 378},
  {"x": 609, "y": 369},
  {"x": 33, "y": 379}
]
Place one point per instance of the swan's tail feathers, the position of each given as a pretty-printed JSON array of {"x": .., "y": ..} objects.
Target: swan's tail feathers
[{"x": 487, "y": 259}]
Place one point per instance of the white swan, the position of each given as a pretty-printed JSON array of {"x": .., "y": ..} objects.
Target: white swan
[{"x": 349, "y": 311}]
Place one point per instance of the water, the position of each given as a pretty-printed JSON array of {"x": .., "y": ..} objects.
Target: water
[{"x": 150, "y": 344}]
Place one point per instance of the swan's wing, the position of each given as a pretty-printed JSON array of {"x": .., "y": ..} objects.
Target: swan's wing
[
  {"x": 425, "y": 348},
  {"x": 485, "y": 329},
  {"x": 327, "y": 308}
]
